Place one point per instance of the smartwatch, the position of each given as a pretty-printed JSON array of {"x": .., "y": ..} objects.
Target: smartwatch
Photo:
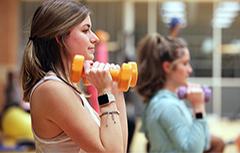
[
  {"x": 106, "y": 98},
  {"x": 199, "y": 115}
]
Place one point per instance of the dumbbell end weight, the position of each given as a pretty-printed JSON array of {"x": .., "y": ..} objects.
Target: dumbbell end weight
[
  {"x": 77, "y": 68},
  {"x": 134, "y": 74},
  {"x": 207, "y": 92},
  {"x": 125, "y": 76}
]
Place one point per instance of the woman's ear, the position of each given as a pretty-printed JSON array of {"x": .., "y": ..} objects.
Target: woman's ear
[
  {"x": 57, "y": 39},
  {"x": 167, "y": 67}
]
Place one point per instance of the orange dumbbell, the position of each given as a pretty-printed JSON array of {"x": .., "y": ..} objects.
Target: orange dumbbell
[{"x": 126, "y": 76}]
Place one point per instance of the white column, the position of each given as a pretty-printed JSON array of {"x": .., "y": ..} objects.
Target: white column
[
  {"x": 128, "y": 16},
  {"x": 128, "y": 28},
  {"x": 217, "y": 69},
  {"x": 152, "y": 16}
]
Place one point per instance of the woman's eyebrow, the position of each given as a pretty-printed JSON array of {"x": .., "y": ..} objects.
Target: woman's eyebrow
[{"x": 88, "y": 25}]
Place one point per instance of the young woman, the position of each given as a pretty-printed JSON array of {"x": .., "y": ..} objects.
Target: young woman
[
  {"x": 62, "y": 119},
  {"x": 167, "y": 122}
]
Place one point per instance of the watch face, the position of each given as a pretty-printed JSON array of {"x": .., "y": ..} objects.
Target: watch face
[
  {"x": 103, "y": 99},
  {"x": 106, "y": 99},
  {"x": 199, "y": 115}
]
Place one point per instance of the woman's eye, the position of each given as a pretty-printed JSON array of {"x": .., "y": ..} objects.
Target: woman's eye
[
  {"x": 85, "y": 31},
  {"x": 186, "y": 63}
]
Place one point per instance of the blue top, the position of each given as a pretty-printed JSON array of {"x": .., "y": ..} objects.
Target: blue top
[{"x": 170, "y": 127}]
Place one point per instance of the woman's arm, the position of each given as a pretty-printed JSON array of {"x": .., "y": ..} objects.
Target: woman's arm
[
  {"x": 61, "y": 107},
  {"x": 187, "y": 135},
  {"x": 99, "y": 76},
  {"x": 121, "y": 105}
]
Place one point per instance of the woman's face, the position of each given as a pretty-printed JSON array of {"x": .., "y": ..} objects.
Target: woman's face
[
  {"x": 181, "y": 69},
  {"x": 82, "y": 40}
]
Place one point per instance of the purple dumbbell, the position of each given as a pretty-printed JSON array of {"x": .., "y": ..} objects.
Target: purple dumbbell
[{"x": 182, "y": 93}]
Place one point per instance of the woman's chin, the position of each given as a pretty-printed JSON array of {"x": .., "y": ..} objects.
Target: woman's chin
[
  {"x": 184, "y": 84},
  {"x": 89, "y": 57}
]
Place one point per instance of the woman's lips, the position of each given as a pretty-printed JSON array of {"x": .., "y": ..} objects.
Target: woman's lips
[{"x": 91, "y": 49}]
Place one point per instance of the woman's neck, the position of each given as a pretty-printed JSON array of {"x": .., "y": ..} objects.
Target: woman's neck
[
  {"x": 66, "y": 65},
  {"x": 170, "y": 86}
]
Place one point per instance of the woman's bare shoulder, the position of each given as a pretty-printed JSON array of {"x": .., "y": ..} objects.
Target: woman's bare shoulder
[
  {"x": 52, "y": 95},
  {"x": 56, "y": 102}
]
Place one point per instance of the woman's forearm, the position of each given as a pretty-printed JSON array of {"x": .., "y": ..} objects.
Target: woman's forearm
[
  {"x": 110, "y": 129},
  {"x": 121, "y": 105}
]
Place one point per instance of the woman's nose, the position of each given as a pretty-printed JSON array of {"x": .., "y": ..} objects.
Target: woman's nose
[
  {"x": 190, "y": 69},
  {"x": 94, "y": 39}
]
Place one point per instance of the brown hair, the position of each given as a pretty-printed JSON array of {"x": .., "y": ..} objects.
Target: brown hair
[
  {"x": 152, "y": 51},
  {"x": 52, "y": 19}
]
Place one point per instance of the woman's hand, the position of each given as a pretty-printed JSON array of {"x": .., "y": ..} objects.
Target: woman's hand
[
  {"x": 195, "y": 96},
  {"x": 98, "y": 74}
]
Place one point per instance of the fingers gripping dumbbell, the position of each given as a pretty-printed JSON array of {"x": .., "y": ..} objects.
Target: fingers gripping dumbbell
[
  {"x": 182, "y": 92},
  {"x": 126, "y": 76}
]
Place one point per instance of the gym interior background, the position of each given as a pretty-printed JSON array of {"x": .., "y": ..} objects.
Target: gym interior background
[{"x": 211, "y": 29}]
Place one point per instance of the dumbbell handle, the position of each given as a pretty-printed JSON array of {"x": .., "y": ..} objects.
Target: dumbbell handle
[{"x": 182, "y": 92}]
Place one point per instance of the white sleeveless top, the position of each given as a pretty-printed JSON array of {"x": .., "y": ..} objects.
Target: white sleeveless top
[{"x": 61, "y": 143}]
